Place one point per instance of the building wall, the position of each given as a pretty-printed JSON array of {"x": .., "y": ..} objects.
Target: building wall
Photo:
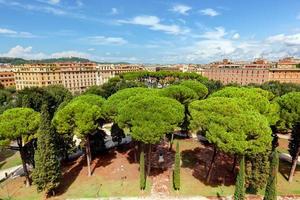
[
  {"x": 74, "y": 76},
  {"x": 237, "y": 75},
  {"x": 77, "y": 77},
  {"x": 7, "y": 79},
  {"x": 285, "y": 75},
  {"x": 245, "y": 76}
]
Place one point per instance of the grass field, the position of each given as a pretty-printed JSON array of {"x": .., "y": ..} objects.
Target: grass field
[{"x": 113, "y": 175}]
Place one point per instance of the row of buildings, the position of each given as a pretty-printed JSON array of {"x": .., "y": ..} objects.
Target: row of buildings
[
  {"x": 259, "y": 71},
  {"x": 77, "y": 76},
  {"x": 286, "y": 70}
]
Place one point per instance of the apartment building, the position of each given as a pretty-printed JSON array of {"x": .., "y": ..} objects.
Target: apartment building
[
  {"x": 77, "y": 77},
  {"x": 7, "y": 77},
  {"x": 74, "y": 76},
  {"x": 241, "y": 76},
  {"x": 291, "y": 75},
  {"x": 245, "y": 76}
]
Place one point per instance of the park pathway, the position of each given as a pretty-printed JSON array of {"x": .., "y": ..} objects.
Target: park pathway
[{"x": 160, "y": 184}]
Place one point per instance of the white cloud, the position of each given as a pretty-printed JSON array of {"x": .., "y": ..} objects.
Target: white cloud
[
  {"x": 209, "y": 12},
  {"x": 54, "y": 1},
  {"x": 102, "y": 40},
  {"x": 181, "y": 9},
  {"x": 91, "y": 49},
  {"x": 217, "y": 44},
  {"x": 23, "y": 52},
  {"x": 114, "y": 11},
  {"x": 236, "y": 36},
  {"x": 291, "y": 40},
  {"x": 217, "y": 33},
  {"x": 28, "y": 53},
  {"x": 153, "y": 22},
  {"x": 67, "y": 54},
  {"x": 12, "y": 33}
]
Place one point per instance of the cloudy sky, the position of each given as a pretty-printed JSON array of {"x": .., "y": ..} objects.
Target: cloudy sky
[{"x": 152, "y": 31}]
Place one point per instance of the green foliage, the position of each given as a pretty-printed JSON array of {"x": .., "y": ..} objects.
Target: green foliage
[
  {"x": 257, "y": 170},
  {"x": 115, "y": 84},
  {"x": 180, "y": 93},
  {"x": 231, "y": 125},
  {"x": 6, "y": 99},
  {"x": 150, "y": 117},
  {"x": 47, "y": 173},
  {"x": 80, "y": 117},
  {"x": 290, "y": 110},
  {"x": 114, "y": 102},
  {"x": 176, "y": 172},
  {"x": 95, "y": 89},
  {"x": 59, "y": 93},
  {"x": 142, "y": 171},
  {"x": 271, "y": 188},
  {"x": 239, "y": 193},
  {"x": 200, "y": 89},
  {"x": 257, "y": 98},
  {"x": 280, "y": 89},
  {"x": 19, "y": 122}
]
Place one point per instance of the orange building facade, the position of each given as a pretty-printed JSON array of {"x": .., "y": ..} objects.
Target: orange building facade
[
  {"x": 7, "y": 79},
  {"x": 245, "y": 76}
]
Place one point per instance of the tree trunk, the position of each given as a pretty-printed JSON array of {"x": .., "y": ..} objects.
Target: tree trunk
[
  {"x": 234, "y": 163},
  {"x": 88, "y": 155},
  {"x": 149, "y": 160},
  {"x": 208, "y": 176},
  {"x": 22, "y": 153},
  {"x": 294, "y": 165},
  {"x": 135, "y": 151},
  {"x": 171, "y": 142}
]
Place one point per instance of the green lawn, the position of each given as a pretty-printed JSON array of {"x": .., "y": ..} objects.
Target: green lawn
[{"x": 9, "y": 158}]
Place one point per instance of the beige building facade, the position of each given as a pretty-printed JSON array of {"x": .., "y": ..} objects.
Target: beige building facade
[
  {"x": 77, "y": 77},
  {"x": 74, "y": 76}
]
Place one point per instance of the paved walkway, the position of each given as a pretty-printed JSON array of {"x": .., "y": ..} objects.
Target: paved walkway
[{"x": 18, "y": 170}]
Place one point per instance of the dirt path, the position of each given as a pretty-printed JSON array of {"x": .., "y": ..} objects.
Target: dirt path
[{"x": 160, "y": 184}]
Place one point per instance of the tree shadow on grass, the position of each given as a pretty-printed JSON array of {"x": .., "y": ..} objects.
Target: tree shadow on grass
[
  {"x": 6, "y": 153},
  {"x": 70, "y": 173},
  {"x": 285, "y": 167},
  {"x": 198, "y": 160},
  {"x": 104, "y": 159}
]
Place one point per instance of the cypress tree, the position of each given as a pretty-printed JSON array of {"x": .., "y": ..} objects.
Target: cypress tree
[
  {"x": 176, "y": 172},
  {"x": 142, "y": 170},
  {"x": 239, "y": 193},
  {"x": 271, "y": 188},
  {"x": 46, "y": 176}
]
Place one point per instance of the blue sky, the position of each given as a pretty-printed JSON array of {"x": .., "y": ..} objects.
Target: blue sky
[{"x": 153, "y": 31}]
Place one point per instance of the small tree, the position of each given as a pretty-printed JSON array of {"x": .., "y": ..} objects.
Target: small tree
[
  {"x": 19, "y": 124},
  {"x": 239, "y": 193},
  {"x": 142, "y": 171},
  {"x": 271, "y": 188},
  {"x": 47, "y": 173},
  {"x": 176, "y": 172}
]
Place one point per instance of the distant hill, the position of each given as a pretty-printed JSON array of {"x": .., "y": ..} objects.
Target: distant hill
[{"x": 20, "y": 61}]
